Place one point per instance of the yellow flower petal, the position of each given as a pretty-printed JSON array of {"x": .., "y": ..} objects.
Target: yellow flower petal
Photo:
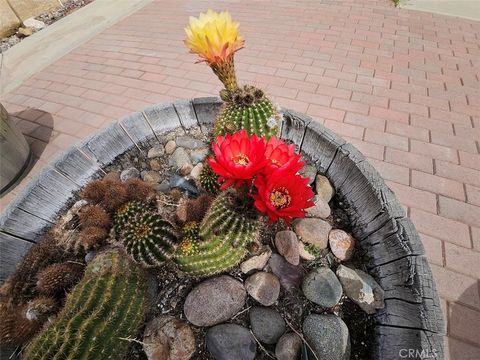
[{"x": 213, "y": 36}]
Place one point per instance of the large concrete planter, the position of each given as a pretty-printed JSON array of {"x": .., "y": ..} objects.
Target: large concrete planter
[
  {"x": 410, "y": 323},
  {"x": 15, "y": 153}
]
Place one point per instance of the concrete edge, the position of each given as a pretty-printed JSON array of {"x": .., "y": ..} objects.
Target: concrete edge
[{"x": 41, "y": 49}]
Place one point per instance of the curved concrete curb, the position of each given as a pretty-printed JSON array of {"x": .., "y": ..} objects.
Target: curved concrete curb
[{"x": 412, "y": 317}]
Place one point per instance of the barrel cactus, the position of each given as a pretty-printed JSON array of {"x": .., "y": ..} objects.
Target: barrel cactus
[
  {"x": 221, "y": 240},
  {"x": 147, "y": 238},
  {"x": 208, "y": 180},
  {"x": 247, "y": 108},
  {"x": 103, "y": 310}
]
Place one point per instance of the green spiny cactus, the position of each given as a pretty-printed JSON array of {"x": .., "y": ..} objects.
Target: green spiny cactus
[
  {"x": 208, "y": 180},
  {"x": 147, "y": 238},
  {"x": 103, "y": 310},
  {"x": 220, "y": 242},
  {"x": 247, "y": 108}
]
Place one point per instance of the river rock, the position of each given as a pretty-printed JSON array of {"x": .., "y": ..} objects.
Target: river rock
[
  {"x": 310, "y": 172},
  {"x": 267, "y": 324},
  {"x": 230, "y": 342},
  {"x": 189, "y": 142},
  {"x": 170, "y": 147},
  {"x": 286, "y": 242},
  {"x": 341, "y": 243},
  {"x": 290, "y": 276},
  {"x": 256, "y": 262},
  {"x": 168, "y": 338},
  {"x": 214, "y": 301},
  {"x": 323, "y": 188},
  {"x": 303, "y": 253},
  {"x": 179, "y": 159},
  {"x": 156, "y": 151},
  {"x": 313, "y": 231},
  {"x": 263, "y": 287},
  {"x": 129, "y": 173},
  {"x": 112, "y": 176},
  {"x": 322, "y": 287},
  {"x": 361, "y": 288},
  {"x": 328, "y": 336},
  {"x": 289, "y": 347},
  {"x": 196, "y": 171},
  {"x": 155, "y": 164},
  {"x": 34, "y": 23},
  {"x": 198, "y": 155},
  {"x": 320, "y": 210},
  {"x": 151, "y": 176}
]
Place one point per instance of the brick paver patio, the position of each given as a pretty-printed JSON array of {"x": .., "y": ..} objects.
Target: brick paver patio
[{"x": 402, "y": 86}]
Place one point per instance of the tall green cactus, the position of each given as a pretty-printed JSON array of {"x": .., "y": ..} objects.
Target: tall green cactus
[
  {"x": 147, "y": 238},
  {"x": 221, "y": 240},
  {"x": 103, "y": 310},
  {"x": 247, "y": 108}
]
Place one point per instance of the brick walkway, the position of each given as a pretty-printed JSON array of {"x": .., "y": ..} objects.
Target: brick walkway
[{"x": 402, "y": 86}]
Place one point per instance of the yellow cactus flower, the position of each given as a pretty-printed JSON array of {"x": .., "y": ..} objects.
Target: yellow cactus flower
[{"x": 213, "y": 36}]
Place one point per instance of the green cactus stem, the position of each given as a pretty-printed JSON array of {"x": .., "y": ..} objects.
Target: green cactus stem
[
  {"x": 105, "y": 308},
  {"x": 248, "y": 108},
  {"x": 147, "y": 238},
  {"x": 221, "y": 241},
  {"x": 208, "y": 180}
]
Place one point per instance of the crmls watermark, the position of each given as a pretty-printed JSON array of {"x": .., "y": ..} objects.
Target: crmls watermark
[{"x": 418, "y": 353}]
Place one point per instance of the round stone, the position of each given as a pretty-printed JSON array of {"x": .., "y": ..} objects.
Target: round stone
[
  {"x": 323, "y": 188},
  {"x": 198, "y": 155},
  {"x": 322, "y": 287},
  {"x": 230, "y": 342},
  {"x": 290, "y": 276},
  {"x": 214, "y": 301},
  {"x": 289, "y": 347},
  {"x": 196, "y": 171},
  {"x": 341, "y": 243},
  {"x": 263, "y": 287},
  {"x": 304, "y": 254},
  {"x": 180, "y": 159},
  {"x": 286, "y": 243},
  {"x": 267, "y": 324},
  {"x": 168, "y": 338},
  {"x": 156, "y": 151},
  {"x": 309, "y": 171},
  {"x": 313, "y": 231},
  {"x": 170, "y": 147},
  {"x": 320, "y": 210},
  {"x": 151, "y": 176},
  {"x": 155, "y": 165},
  {"x": 189, "y": 142},
  {"x": 328, "y": 336},
  {"x": 361, "y": 288},
  {"x": 129, "y": 173}
]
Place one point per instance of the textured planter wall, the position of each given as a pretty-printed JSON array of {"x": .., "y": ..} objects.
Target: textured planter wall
[{"x": 412, "y": 318}]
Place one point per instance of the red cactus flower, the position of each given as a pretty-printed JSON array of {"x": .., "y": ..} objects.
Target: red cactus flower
[
  {"x": 282, "y": 156},
  {"x": 238, "y": 158},
  {"x": 283, "y": 195}
]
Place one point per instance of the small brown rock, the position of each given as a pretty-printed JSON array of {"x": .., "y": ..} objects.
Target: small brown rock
[
  {"x": 289, "y": 347},
  {"x": 214, "y": 301},
  {"x": 313, "y": 231},
  {"x": 323, "y": 188},
  {"x": 24, "y": 32},
  {"x": 341, "y": 243},
  {"x": 256, "y": 262},
  {"x": 320, "y": 210},
  {"x": 286, "y": 243},
  {"x": 155, "y": 165},
  {"x": 197, "y": 169},
  {"x": 112, "y": 176},
  {"x": 186, "y": 169},
  {"x": 263, "y": 287},
  {"x": 170, "y": 147},
  {"x": 151, "y": 176},
  {"x": 168, "y": 338}
]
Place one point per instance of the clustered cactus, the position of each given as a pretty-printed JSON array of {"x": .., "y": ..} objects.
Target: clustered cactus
[
  {"x": 147, "y": 238},
  {"x": 247, "y": 108},
  {"x": 103, "y": 310},
  {"x": 219, "y": 242}
]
